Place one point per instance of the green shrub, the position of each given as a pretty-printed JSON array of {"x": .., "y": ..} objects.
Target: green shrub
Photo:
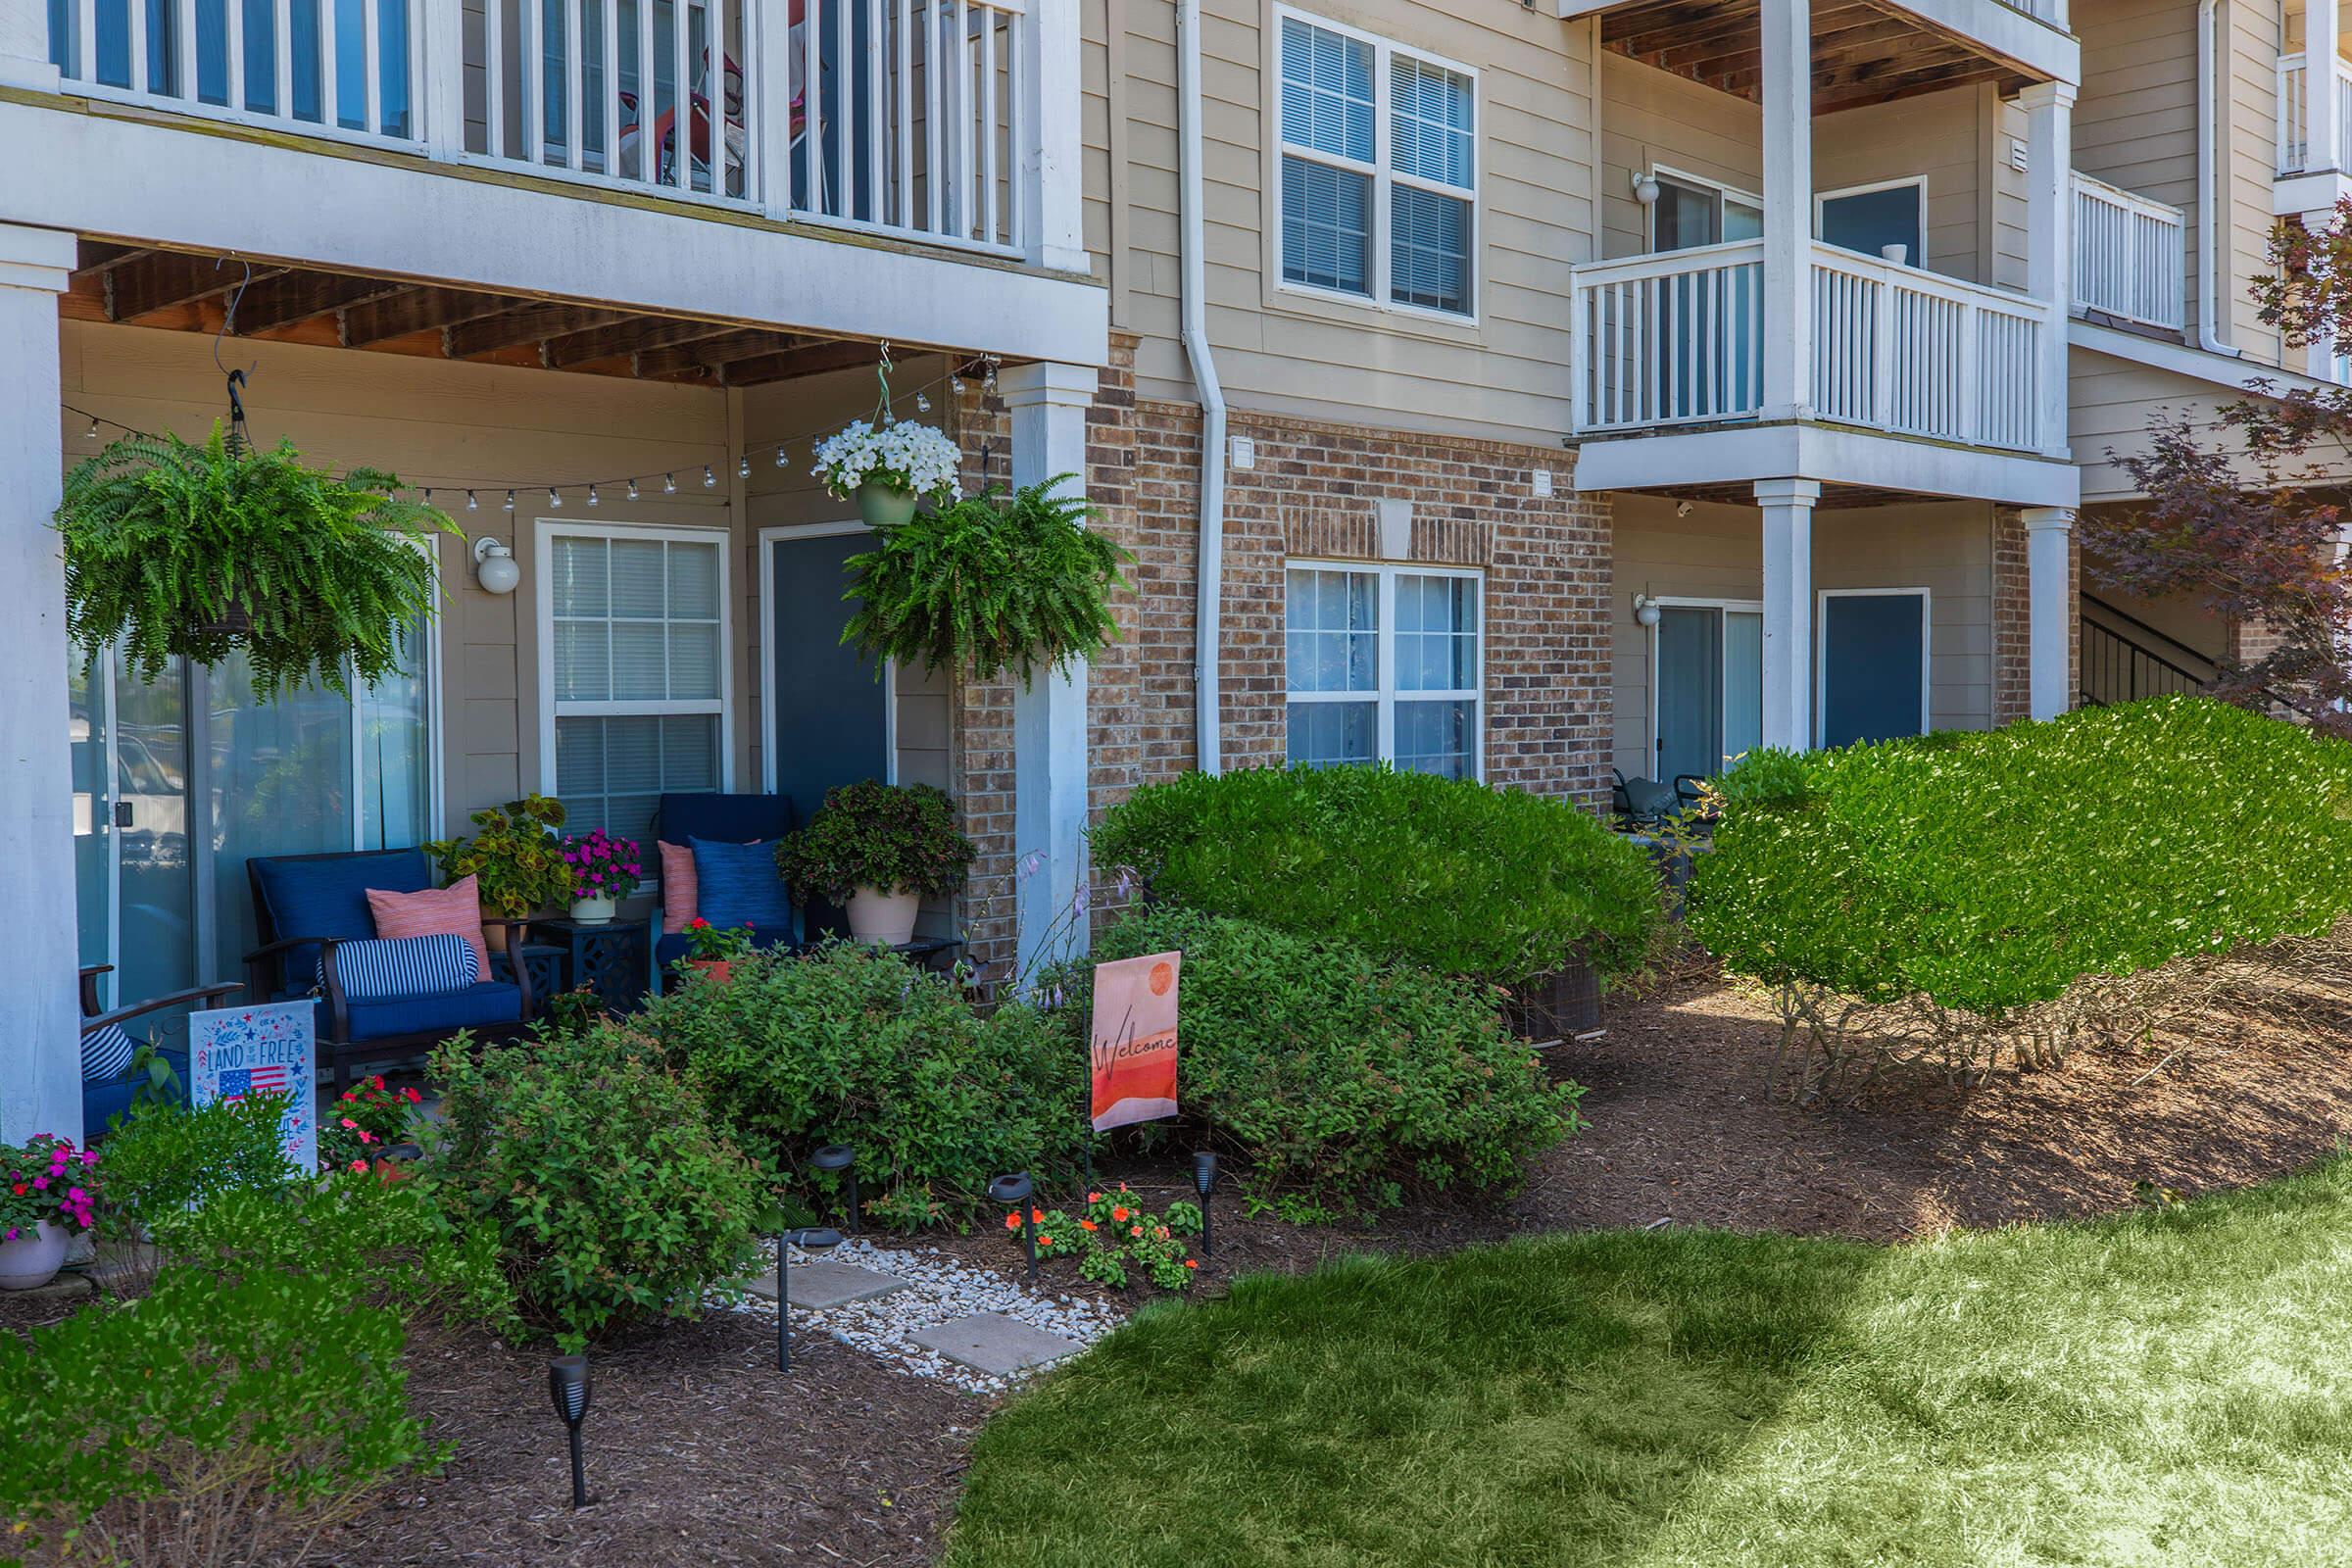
[
  {"x": 1496, "y": 885},
  {"x": 856, "y": 1046},
  {"x": 612, "y": 1196},
  {"x": 168, "y": 1158},
  {"x": 1989, "y": 871},
  {"x": 895, "y": 838},
  {"x": 1332, "y": 1072},
  {"x": 224, "y": 1417}
]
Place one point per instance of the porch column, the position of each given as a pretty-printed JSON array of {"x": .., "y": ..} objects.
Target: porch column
[
  {"x": 2049, "y": 108},
  {"x": 41, "y": 1050},
  {"x": 2319, "y": 88},
  {"x": 1788, "y": 209},
  {"x": 1787, "y": 610},
  {"x": 1048, "y": 404},
  {"x": 2319, "y": 354},
  {"x": 1053, "y": 196},
  {"x": 2049, "y": 621}
]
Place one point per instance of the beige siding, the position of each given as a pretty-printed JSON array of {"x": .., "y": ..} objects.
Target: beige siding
[
  {"x": 447, "y": 426},
  {"x": 2114, "y": 401},
  {"x": 1716, "y": 553},
  {"x": 2247, "y": 156},
  {"x": 2135, "y": 124}
]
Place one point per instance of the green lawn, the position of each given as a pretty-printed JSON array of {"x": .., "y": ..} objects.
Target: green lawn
[{"x": 2166, "y": 1388}]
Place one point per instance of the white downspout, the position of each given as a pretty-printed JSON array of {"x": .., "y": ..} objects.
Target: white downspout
[
  {"x": 2207, "y": 252},
  {"x": 1208, "y": 734}
]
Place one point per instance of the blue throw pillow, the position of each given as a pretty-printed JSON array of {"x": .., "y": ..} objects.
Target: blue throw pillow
[
  {"x": 384, "y": 968},
  {"x": 739, "y": 885}
]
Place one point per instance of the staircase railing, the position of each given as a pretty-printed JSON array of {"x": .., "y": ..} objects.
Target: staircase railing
[{"x": 2129, "y": 660}]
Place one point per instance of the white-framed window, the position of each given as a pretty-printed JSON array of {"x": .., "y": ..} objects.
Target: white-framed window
[
  {"x": 1385, "y": 664},
  {"x": 1377, "y": 198},
  {"x": 1870, "y": 219},
  {"x": 633, "y": 669}
]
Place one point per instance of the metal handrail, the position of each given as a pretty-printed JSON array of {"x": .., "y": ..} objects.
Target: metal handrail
[{"x": 2138, "y": 625}]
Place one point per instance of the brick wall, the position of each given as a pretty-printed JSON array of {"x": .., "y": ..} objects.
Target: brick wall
[{"x": 2012, "y": 619}]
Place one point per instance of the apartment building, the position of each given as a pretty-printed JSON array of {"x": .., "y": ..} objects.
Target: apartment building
[{"x": 1519, "y": 391}]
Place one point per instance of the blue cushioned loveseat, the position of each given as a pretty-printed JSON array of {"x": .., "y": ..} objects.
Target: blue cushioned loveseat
[
  {"x": 728, "y": 819},
  {"x": 305, "y": 905}
]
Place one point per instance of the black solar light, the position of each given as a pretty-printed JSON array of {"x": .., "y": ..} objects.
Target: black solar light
[
  {"x": 567, "y": 1387},
  {"x": 841, "y": 1157},
  {"x": 1205, "y": 1181},
  {"x": 1015, "y": 1189},
  {"x": 809, "y": 1238}
]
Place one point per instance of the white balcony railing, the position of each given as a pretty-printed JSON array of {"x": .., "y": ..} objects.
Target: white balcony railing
[
  {"x": 1677, "y": 339},
  {"x": 921, "y": 121},
  {"x": 2294, "y": 113},
  {"x": 2130, "y": 254}
]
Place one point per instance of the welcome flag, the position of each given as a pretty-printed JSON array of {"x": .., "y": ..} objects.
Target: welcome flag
[
  {"x": 271, "y": 1050},
  {"x": 1135, "y": 1040}
]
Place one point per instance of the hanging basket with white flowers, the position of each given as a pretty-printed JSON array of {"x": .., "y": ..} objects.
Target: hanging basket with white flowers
[{"x": 888, "y": 467}]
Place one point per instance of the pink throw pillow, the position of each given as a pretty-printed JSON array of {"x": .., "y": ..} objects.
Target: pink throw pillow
[
  {"x": 680, "y": 890},
  {"x": 453, "y": 910}
]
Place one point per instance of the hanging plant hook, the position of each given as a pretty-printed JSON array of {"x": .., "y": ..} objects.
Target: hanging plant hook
[
  {"x": 237, "y": 437},
  {"x": 882, "y": 413}
]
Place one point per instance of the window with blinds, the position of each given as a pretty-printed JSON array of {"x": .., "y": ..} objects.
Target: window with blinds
[
  {"x": 1379, "y": 181},
  {"x": 1383, "y": 666},
  {"x": 634, "y": 636}
]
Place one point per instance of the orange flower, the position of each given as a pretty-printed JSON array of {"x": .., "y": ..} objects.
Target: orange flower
[
  {"x": 1094, "y": 1198},
  {"x": 1134, "y": 1230},
  {"x": 1043, "y": 1240},
  {"x": 1036, "y": 1217},
  {"x": 1119, "y": 1214},
  {"x": 1192, "y": 1262},
  {"x": 1088, "y": 1225},
  {"x": 1013, "y": 1222},
  {"x": 1161, "y": 1233}
]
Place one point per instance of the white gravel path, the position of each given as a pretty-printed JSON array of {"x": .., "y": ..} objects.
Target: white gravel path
[{"x": 939, "y": 1290}]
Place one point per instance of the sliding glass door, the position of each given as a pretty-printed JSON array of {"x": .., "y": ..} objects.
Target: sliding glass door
[{"x": 1709, "y": 675}]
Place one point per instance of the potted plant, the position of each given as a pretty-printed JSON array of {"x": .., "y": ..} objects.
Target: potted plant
[
  {"x": 517, "y": 861},
  {"x": 713, "y": 950},
  {"x": 990, "y": 583},
  {"x": 889, "y": 469},
  {"x": 367, "y": 1125},
  {"x": 878, "y": 850},
  {"x": 182, "y": 551},
  {"x": 50, "y": 1194},
  {"x": 604, "y": 872}
]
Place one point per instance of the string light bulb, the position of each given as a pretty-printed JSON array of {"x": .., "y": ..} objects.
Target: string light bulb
[
  {"x": 743, "y": 467},
  {"x": 670, "y": 485},
  {"x": 510, "y": 501},
  {"x": 93, "y": 430},
  {"x": 592, "y": 495},
  {"x": 954, "y": 386},
  {"x": 473, "y": 503},
  {"x": 708, "y": 478},
  {"x": 923, "y": 403},
  {"x": 779, "y": 454},
  {"x": 555, "y": 497},
  {"x": 632, "y": 489}
]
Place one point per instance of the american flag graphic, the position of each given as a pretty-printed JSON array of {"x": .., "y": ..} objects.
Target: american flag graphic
[{"x": 238, "y": 1082}]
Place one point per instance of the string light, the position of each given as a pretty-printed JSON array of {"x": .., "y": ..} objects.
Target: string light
[
  {"x": 510, "y": 501},
  {"x": 632, "y": 489},
  {"x": 472, "y": 505},
  {"x": 922, "y": 404},
  {"x": 708, "y": 478},
  {"x": 93, "y": 433},
  {"x": 743, "y": 467},
  {"x": 670, "y": 485},
  {"x": 592, "y": 495},
  {"x": 779, "y": 455},
  {"x": 555, "y": 498}
]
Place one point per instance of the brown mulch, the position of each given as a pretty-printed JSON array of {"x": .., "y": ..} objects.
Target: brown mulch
[{"x": 701, "y": 1453}]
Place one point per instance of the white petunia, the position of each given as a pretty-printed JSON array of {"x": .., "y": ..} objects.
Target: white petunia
[{"x": 903, "y": 455}]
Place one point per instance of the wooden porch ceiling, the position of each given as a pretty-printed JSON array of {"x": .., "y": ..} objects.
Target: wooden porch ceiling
[
  {"x": 190, "y": 292},
  {"x": 1862, "y": 53}
]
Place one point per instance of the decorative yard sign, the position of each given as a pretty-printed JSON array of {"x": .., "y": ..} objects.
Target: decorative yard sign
[
  {"x": 1135, "y": 1040},
  {"x": 269, "y": 1049}
]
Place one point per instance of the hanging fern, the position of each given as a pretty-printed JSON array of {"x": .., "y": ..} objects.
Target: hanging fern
[
  {"x": 193, "y": 552},
  {"x": 987, "y": 584}
]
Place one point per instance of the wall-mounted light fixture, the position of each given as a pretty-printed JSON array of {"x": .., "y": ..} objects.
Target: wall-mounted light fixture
[
  {"x": 1645, "y": 187},
  {"x": 494, "y": 566},
  {"x": 1646, "y": 611}
]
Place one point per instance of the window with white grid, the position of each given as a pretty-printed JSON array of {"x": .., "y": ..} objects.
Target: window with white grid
[
  {"x": 633, "y": 626},
  {"x": 1379, "y": 178},
  {"x": 1384, "y": 664}
]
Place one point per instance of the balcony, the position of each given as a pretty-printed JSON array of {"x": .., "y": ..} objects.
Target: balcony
[
  {"x": 916, "y": 119},
  {"x": 2129, "y": 256},
  {"x": 1676, "y": 340},
  {"x": 2294, "y": 111}
]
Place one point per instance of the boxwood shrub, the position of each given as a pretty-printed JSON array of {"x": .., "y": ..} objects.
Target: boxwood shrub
[
  {"x": 1992, "y": 871},
  {"x": 1334, "y": 1072},
  {"x": 1493, "y": 884},
  {"x": 851, "y": 1044}
]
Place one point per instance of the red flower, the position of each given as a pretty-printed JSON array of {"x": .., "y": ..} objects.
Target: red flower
[
  {"x": 19, "y": 1189},
  {"x": 1192, "y": 1262},
  {"x": 1119, "y": 1214},
  {"x": 1088, "y": 1225},
  {"x": 1094, "y": 1198},
  {"x": 1036, "y": 1217},
  {"x": 1013, "y": 1222},
  {"x": 415, "y": 1098},
  {"x": 1043, "y": 1240},
  {"x": 1135, "y": 1231}
]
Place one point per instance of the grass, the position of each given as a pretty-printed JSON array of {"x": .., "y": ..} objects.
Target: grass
[{"x": 2169, "y": 1386}]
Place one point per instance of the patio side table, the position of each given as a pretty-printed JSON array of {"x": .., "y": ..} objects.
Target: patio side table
[
  {"x": 545, "y": 963},
  {"x": 614, "y": 959}
]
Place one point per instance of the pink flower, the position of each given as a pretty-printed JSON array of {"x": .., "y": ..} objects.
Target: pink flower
[
  {"x": 75, "y": 1195},
  {"x": 89, "y": 1156},
  {"x": 40, "y": 1182},
  {"x": 350, "y": 1124},
  {"x": 359, "y": 1165}
]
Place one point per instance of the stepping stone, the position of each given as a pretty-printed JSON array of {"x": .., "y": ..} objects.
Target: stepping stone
[
  {"x": 997, "y": 1344},
  {"x": 819, "y": 1286}
]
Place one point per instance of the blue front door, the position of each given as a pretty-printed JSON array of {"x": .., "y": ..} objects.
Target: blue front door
[
  {"x": 832, "y": 714},
  {"x": 1874, "y": 666}
]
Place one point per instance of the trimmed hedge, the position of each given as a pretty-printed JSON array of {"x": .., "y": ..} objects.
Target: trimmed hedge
[
  {"x": 1491, "y": 884},
  {"x": 1334, "y": 1072},
  {"x": 1992, "y": 871}
]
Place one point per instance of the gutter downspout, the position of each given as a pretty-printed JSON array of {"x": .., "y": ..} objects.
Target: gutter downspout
[
  {"x": 2207, "y": 267},
  {"x": 1207, "y": 614}
]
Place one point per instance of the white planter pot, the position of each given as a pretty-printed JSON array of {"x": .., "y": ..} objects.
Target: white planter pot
[
  {"x": 592, "y": 911},
  {"x": 30, "y": 1261},
  {"x": 882, "y": 506},
  {"x": 885, "y": 919}
]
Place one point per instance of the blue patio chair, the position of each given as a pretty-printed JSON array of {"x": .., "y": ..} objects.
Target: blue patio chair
[
  {"x": 306, "y": 906},
  {"x": 107, "y": 1046},
  {"x": 682, "y": 818}
]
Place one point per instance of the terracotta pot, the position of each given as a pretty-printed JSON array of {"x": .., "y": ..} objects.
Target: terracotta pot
[
  {"x": 592, "y": 911},
  {"x": 885, "y": 919},
  {"x": 494, "y": 937},
  {"x": 884, "y": 505},
  {"x": 715, "y": 969},
  {"x": 31, "y": 1262}
]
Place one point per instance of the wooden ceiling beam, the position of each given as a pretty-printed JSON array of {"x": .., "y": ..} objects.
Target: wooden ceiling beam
[
  {"x": 626, "y": 338},
  {"x": 416, "y": 310},
  {"x": 299, "y": 296},
  {"x": 713, "y": 353},
  {"x": 531, "y": 323},
  {"x": 93, "y": 257},
  {"x": 161, "y": 279},
  {"x": 818, "y": 359}
]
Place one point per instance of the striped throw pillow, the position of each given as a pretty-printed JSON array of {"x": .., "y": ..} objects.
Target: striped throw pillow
[
  {"x": 105, "y": 1054},
  {"x": 404, "y": 966}
]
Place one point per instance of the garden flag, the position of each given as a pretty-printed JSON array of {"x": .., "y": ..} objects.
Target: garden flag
[
  {"x": 1135, "y": 1040},
  {"x": 236, "y": 1052}
]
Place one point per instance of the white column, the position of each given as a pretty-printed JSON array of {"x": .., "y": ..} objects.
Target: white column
[
  {"x": 2319, "y": 88},
  {"x": 1788, "y": 209},
  {"x": 2049, "y": 108},
  {"x": 442, "y": 92},
  {"x": 1048, "y": 404},
  {"x": 2319, "y": 354},
  {"x": 1053, "y": 194},
  {"x": 1787, "y": 610},
  {"x": 41, "y": 1050},
  {"x": 2049, "y": 624}
]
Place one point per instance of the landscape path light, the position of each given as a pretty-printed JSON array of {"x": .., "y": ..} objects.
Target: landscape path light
[
  {"x": 568, "y": 1388},
  {"x": 1205, "y": 1181},
  {"x": 809, "y": 1238},
  {"x": 841, "y": 1157},
  {"x": 1016, "y": 1189}
]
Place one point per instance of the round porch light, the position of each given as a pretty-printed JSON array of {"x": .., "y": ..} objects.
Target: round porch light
[
  {"x": 494, "y": 566},
  {"x": 1646, "y": 611}
]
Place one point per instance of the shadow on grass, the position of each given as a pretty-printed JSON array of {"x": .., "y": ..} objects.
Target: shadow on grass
[{"x": 2159, "y": 1387}]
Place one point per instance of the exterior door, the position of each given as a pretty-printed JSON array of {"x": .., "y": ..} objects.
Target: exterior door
[
  {"x": 1710, "y": 675},
  {"x": 828, "y": 709},
  {"x": 1709, "y": 352},
  {"x": 133, "y": 858},
  {"x": 1873, "y": 664}
]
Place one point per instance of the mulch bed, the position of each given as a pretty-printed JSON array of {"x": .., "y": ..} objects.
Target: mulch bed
[{"x": 701, "y": 1453}]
